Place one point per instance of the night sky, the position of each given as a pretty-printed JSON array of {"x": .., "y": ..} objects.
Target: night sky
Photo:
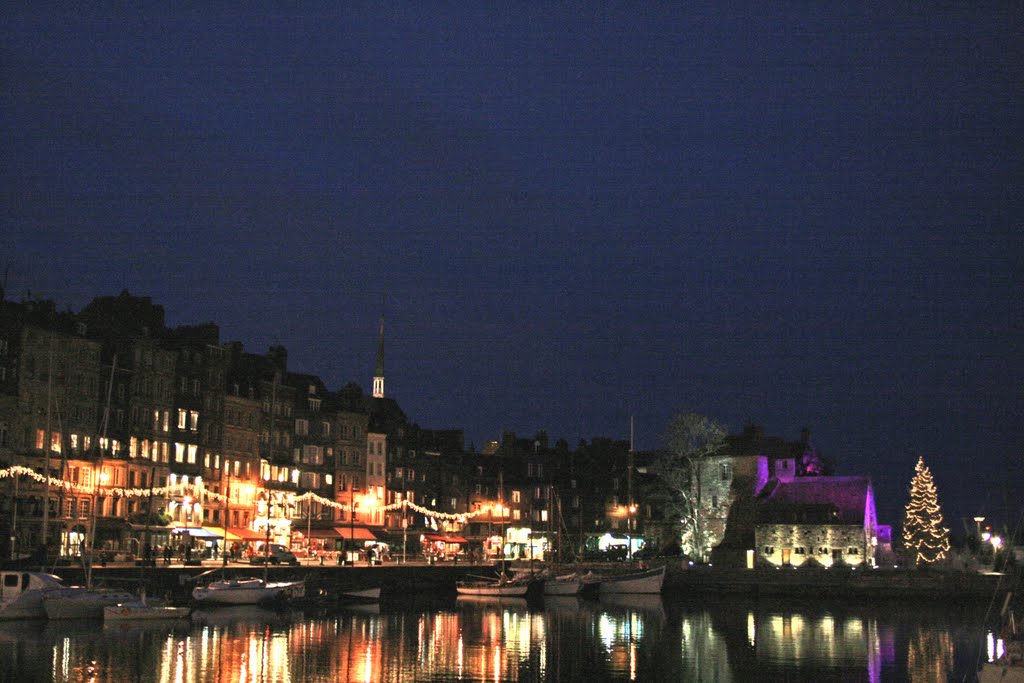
[{"x": 568, "y": 213}]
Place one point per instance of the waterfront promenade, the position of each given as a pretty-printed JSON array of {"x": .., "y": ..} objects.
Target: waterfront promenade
[{"x": 175, "y": 580}]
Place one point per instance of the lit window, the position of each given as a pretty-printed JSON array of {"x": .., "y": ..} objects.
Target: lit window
[
  {"x": 182, "y": 418},
  {"x": 194, "y": 415}
]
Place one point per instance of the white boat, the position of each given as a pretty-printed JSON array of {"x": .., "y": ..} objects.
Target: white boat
[
  {"x": 495, "y": 589},
  {"x": 368, "y": 594},
  {"x": 81, "y": 603},
  {"x": 649, "y": 581},
  {"x": 247, "y": 591},
  {"x": 22, "y": 593},
  {"x": 140, "y": 610}
]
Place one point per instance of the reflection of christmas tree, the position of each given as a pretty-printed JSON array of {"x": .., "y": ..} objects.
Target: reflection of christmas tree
[{"x": 923, "y": 533}]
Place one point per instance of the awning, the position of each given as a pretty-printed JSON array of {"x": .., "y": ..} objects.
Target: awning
[
  {"x": 197, "y": 532},
  {"x": 359, "y": 533},
  {"x": 240, "y": 534},
  {"x": 445, "y": 539}
]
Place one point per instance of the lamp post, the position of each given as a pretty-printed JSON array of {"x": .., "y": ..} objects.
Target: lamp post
[
  {"x": 405, "y": 533},
  {"x": 187, "y": 502},
  {"x": 351, "y": 522},
  {"x": 978, "y": 521},
  {"x": 630, "y": 511}
]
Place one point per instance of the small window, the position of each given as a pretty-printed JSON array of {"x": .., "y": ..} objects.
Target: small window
[
  {"x": 853, "y": 551},
  {"x": 800, "y": 550},
  {"x": 823, "y": 550},
  {"x": 769, "y": 550}
]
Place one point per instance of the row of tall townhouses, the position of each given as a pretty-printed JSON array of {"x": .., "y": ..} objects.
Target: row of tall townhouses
[{"x": 164, "y": 434}]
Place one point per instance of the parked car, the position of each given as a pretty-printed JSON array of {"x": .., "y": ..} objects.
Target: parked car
[{"x": 278, "y": 554}]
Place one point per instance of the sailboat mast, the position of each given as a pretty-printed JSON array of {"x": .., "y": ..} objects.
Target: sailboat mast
[{"x": 46, "y": 446}]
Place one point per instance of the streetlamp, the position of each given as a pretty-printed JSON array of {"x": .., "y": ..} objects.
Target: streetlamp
[
  {"x": 187, "y": 502},
  {"x": 630, "y": 511},
  {"x": 978, "y": 521},
  {"x": 351, "y": 522},
  {"x": 405, "y": 533}
]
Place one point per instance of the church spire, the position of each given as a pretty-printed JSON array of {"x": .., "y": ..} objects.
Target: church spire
[{"x": 378, "y": 373}]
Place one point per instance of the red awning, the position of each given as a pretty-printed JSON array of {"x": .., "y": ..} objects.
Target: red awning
[
  {"x": 445, "y": 539},
  {"x": 245, "y": 534},
  {"x": 359, "y": 533}
]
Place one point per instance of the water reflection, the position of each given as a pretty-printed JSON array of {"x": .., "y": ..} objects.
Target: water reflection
[{"x": 633, "y": 638}]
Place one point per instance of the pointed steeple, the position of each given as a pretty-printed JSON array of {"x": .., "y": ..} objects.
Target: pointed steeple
[{"x": 378, "y": 373}]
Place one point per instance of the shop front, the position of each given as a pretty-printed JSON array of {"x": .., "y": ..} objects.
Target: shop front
[{"x": 440, "y": 547}]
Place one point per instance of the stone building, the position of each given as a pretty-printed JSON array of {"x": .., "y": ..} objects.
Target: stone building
[{"x": 817, "y": 521}]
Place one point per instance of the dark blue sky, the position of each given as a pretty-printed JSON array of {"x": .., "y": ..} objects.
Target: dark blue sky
[{"x": 807, "y": 217}]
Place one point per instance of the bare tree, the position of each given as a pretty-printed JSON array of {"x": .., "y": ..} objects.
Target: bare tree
[{"x": 689, "y": 439}]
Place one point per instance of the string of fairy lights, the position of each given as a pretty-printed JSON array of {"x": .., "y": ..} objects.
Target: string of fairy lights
[{"x": 200, "y": 492}]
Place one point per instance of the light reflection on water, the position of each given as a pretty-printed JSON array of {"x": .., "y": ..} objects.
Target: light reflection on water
[{"x": 634, "y": 638}]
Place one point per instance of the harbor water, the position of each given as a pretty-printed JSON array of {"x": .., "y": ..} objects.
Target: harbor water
[{"x": 419, "y": 638}]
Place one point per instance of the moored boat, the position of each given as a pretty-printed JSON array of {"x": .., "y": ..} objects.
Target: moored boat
[
  {"x": 650, "y": 581},
  {"x": 22, "y": 593},
  {"x": 248, "y": 591},
  {"x": 82, "y": 603},
  {"x": 366, "y": 594},
  {"x": 496, "y": 589},
  {"x": 569, "y": 584}
]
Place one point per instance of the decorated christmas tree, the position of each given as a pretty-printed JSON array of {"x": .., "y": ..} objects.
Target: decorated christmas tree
[{"x": 923, "y": 533}]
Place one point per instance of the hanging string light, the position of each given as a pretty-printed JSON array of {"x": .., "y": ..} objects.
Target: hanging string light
[{"x": 201, "y": 493}]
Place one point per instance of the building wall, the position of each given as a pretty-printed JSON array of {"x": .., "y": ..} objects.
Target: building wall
[
  {"x": 723, "y": 480},
  {"x": 796, "y": 544}
]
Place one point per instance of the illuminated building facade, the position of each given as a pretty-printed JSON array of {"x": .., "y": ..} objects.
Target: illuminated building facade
[{"x": 817, "y": 521}]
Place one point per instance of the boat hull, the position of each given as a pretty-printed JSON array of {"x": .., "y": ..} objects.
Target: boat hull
[
  {"x": 493, "y": 591},
  {"x": 369, "y": 594},
  {"x": 563, "y": 587},
  {"x": 643, "y": 582},
  {"x": 247, "y": 592}
]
